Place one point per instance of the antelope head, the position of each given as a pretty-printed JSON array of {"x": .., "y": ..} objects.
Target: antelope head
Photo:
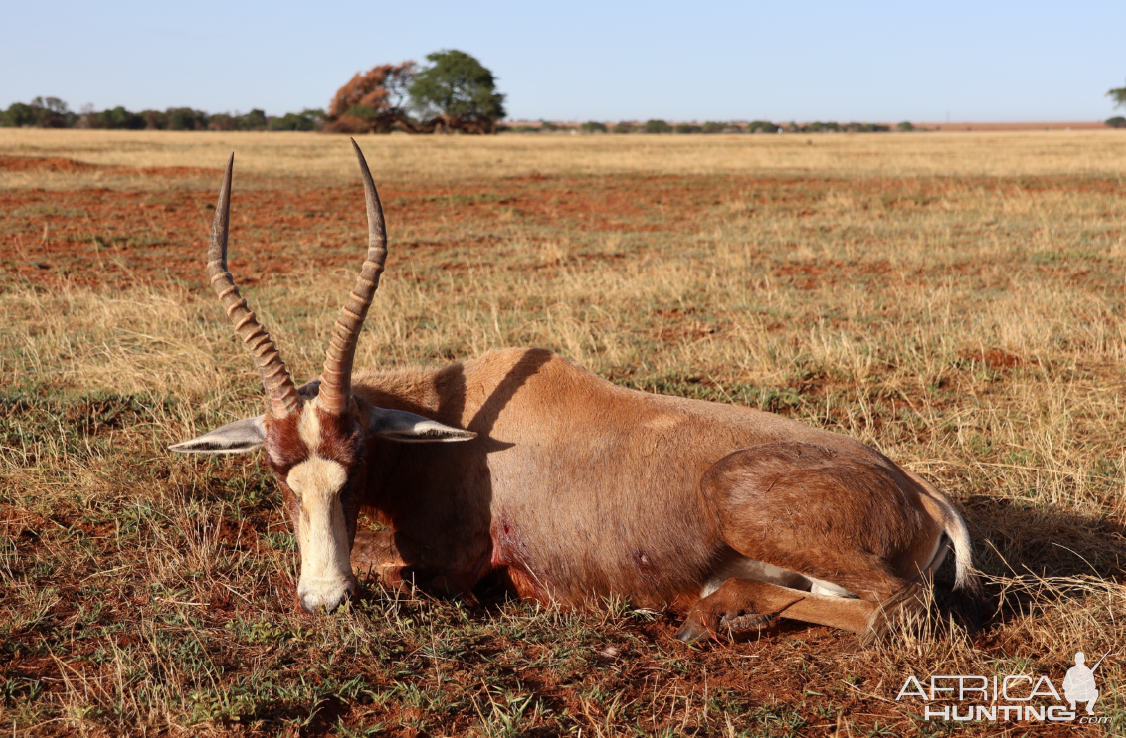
[{"x": 316, "y": 436}]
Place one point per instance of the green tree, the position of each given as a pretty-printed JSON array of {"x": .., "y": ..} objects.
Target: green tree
[
  {"x": 820, "y": 127},
  {"x": 117, "y": 117},
  {"x": 18, "y": 115},
  {"x": 456, "y": 92},
  {"x": 1118, "y": 94},
  {"x": 656, "y": 125},
  {"x": 154, "y": 120},
  {"x": 1116, "y": 122},
  {"x": 185, "y": 119},
  {"x": 50, "y": 112},
  {"x": 309, "y": 119},
  {"x": 255, "y": 120},
  {"x": 593, "y": 126},
  {"x": 763, "y": 126}
]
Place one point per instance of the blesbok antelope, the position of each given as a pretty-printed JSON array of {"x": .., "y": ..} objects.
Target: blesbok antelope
[{"x": 571, "y": 489}]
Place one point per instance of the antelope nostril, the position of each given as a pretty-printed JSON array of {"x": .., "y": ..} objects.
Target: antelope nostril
[
  {"x": 316, "y": 604},
  {"x": 347, "y": 596},
  {"x": 319, "y": 606}
]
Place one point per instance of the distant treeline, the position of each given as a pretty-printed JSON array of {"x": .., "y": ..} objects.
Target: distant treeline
[
  {"x": 755, "y": 126},
  {"x": 51, "y": 112}
]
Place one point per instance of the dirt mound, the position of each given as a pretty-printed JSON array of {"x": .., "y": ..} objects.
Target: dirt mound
[
  {"x": 60, "y": 164},
  {"x": 43, "y": 164},
  {"x": 174, "y": 172}
]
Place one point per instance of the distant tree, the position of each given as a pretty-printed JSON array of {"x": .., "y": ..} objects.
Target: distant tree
[
  {"x": 713, "y": 127},
  {"x": 51, "y": 112},
  {"x": 656, "y": 125},
  {"x": 309, "y": 119},
  {"x": 623, "y": 128},
  {"x": 1118, "y": 94},
  {"x": 546, "y": 125},
  {"x": 155, "y": 120},
  {"x": 819, "y": 127},
  {"x": 18, "y": 115},
  {"x": 1116, "y": 122},
  {"x": 118, "y": 117},
  {"x": 222, "y": 122},
  {"x": 457, "y": 93},
  {"x": 905, "y": 126},
  {"x": 185, "y": 119},
  {"x": 686, "y": 128},
  {"x": 374, "y": 101},
  {"x": 42, "y": 112},
  {"x": 255, "y": 120},
  {"x": 593, "y": 126},
  {"x": 761, "y": 126}
]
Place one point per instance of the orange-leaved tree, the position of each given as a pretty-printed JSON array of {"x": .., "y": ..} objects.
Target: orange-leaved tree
[{"x": 374, "y": 101}]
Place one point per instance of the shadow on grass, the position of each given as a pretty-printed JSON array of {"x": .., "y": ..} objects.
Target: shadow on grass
[
  {"x": 1038, "y": 556},
  {"x": 1016, "y": 539}
]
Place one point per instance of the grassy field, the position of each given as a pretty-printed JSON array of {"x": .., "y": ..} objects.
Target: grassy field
[{"x": 955, "y": 300}]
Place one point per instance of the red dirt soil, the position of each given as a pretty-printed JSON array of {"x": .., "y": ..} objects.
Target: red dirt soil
[{"x": 98, "y": 237}]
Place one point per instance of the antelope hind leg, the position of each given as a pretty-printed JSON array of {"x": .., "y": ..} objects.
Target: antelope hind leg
[
  {"x": 744, "y": 605},
  {"x": 829, "y": 517}
]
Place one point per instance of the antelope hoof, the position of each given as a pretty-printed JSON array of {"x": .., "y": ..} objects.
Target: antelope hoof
[
  {"x": 744, "y": 623},
  {"x": 691, "y": 631},
  {"x": 733, "y": 623}
]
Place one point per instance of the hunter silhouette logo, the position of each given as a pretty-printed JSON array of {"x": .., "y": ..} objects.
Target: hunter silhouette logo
[
  {"x": 1010, "y": 697},
  {"x": 1079, "y": 683}
]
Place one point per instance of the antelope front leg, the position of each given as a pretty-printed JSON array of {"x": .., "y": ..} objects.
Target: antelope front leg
[
  {"x": 743, "y": 605},
  {"x": 374, "y": 552}
]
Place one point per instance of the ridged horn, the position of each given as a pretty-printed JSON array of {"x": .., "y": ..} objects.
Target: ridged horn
[
  {"x": 336, "y": 380},
  {"x": 279, "y": 386}
]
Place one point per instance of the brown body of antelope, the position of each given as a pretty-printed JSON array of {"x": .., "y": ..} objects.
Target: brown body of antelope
[{"x": 523, "y": 464}]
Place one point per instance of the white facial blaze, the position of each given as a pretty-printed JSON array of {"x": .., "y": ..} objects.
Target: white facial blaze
[
  {"x": 309, "y": 427},
  {"x": 322, "y": 536}
]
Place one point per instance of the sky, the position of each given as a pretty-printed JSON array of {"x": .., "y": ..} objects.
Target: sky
[{"x": 580, "y": 60}]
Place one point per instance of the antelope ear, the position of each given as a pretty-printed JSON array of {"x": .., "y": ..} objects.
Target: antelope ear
[
  {"x": 396, "y": 425},
  {"x": 238, "y": 437}
]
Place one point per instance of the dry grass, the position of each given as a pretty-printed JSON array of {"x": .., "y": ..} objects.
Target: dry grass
[
  {"x": 460, "y": 158},
  {"x": 969, "y": 325}
]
